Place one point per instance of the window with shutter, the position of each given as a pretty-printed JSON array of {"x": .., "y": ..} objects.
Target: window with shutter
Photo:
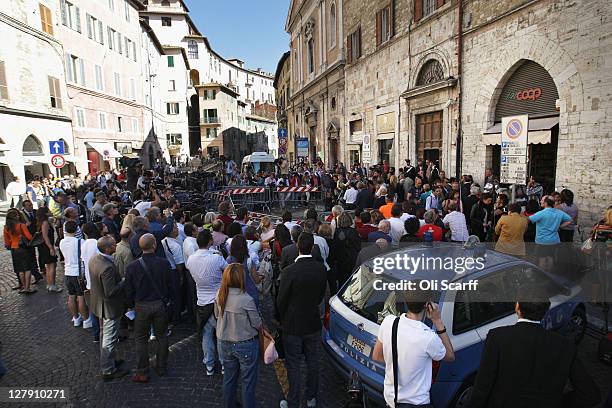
[
  {"x": 64, "y": 12},
  {"x": 418, "y": 10},
  {"x": 111, "y": 37},
  {"x": 378, "y": 27},
  {"x": 46, "y": 21},
  {"x": 3, "y": 83},
  {"x": 349, "y": 49},
  {"x": 90, "y": 28},
  {"x": 77, "y": 13},
  {"x": 69, "y": 68},
  {"x": 81, "y": 71},
  {"x": 119, "y": 46},
  {"x": 54, "y": 93},
  {"x": 100, "y": 33}
]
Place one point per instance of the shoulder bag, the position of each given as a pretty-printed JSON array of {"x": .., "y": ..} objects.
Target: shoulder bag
[
  {"x": 395, "y": 363},
  {"x": 82, "y": 279},
  {"x": 167, "y": 301}
]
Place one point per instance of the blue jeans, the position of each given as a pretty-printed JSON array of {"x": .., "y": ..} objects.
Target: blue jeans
[
  {"x": 208, "y": 342},
  {"x": 239, "y": 358},
  {"x": 110, "y": 339}
]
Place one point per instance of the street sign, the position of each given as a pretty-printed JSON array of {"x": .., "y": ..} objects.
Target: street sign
[
  {"x": 58, "y": 161},
  {"x": 302, "y": 147},
  {"x": 56, "y": 147},
  {"x": 513, "y": 162},
  {"x": 365, "y": 149}
]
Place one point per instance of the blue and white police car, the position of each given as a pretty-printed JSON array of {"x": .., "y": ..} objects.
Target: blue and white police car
[{"x": 354, "y": 315}]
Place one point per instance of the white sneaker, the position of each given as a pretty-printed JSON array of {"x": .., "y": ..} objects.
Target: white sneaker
[
  {"x": 77, "y": 322},
  {"x": 311, "y": 403},
  {"x": 284, "y": 404},
  {"x": 88, "y": 324},
  {"x": 54, "y": 288},
  {"x": 210, "y": 371},
  {"x": 152, "y": 337}
]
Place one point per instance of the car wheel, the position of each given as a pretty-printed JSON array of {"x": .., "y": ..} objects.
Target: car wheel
[
  {"x": 577, "y": 325},
  {"x": 464, "y": 395}
]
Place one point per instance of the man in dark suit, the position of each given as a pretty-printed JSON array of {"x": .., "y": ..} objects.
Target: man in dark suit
[
  {"x": 291, "y": 252},
  {"x": 107, "y": 303},
  {"x": 148, "y": 282},
  {"x": 525, "y": 366},
  {"x": 364, "y": 198},
  {"x": 302, "y": 289}
]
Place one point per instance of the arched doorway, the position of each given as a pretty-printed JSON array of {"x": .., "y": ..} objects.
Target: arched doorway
[
  {"x": 194, "y": 74},
  {"x": 528, "y": 89},
  {"x": 36, "y": 162}
]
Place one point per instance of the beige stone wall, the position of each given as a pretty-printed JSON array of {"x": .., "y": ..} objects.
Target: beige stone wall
[{"x": 571, "y": 40}]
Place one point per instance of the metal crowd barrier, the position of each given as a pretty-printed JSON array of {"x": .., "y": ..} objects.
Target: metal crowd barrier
[
  {"x": 251, "y": 197},
  {"x": 303, "y": 196}
]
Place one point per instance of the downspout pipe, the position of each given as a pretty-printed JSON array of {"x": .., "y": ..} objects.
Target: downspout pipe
[{"x": 459, "y": 142}]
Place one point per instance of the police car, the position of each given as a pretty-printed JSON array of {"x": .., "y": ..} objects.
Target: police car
[{"x": 468, "y": 312}]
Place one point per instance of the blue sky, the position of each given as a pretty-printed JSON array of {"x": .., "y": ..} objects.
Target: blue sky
[{"x": 252, "y": 30}]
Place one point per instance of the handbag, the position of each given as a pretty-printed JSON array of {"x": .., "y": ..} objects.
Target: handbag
[
  {"x": 24, "y": 243},
  {"x": 37, "y": 240},
  {"x": 168, "y": 303},
  {"x": 81, "y": 279},
  {"x": 587, "y": 246},
  {"x": 267, "y": 349}
]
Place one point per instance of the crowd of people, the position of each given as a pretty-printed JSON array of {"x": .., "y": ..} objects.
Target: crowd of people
[{"x": 135, "y": 262}]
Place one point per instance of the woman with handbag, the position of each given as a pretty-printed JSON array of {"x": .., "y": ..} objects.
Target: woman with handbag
[
  {"x": 46, "y": 251},
  {"x": 239, "y": 253},
  {"x": 238, "y": 327},
  {"x": 17, "y": 239}
]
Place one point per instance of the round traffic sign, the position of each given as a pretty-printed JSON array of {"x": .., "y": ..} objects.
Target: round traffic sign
[
  {"x": 514, "y": 129},
  {"x": 58, "y": 161}
]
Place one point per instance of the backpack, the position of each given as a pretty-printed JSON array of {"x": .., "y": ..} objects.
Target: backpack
[{"x": 222, "y": 248}]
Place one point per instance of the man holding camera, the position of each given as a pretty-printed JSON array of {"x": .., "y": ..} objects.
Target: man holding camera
[{"x": 407, "y": 347}]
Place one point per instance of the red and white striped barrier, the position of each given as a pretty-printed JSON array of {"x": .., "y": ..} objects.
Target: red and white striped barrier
[
  {"x": 251, "y": 190},
  {"x": 304, "y": 189}
]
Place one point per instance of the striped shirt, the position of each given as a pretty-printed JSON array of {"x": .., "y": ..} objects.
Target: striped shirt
[{"x": 206, "y": 268}]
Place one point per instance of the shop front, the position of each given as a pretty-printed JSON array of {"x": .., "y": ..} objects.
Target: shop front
[
  {"x": 100, "y": 156},
  {"x": 529, "y": 90}
]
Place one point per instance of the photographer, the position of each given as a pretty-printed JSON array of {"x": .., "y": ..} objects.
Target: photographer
[
  {"x": 142, "y": 201},
  {"x": 408, "y": 378}
]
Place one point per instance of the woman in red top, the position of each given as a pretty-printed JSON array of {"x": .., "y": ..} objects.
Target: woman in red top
[{"x": 14, "y": 230}]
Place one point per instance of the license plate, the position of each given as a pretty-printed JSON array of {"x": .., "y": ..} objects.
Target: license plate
[{"x": 359, "y": 345}]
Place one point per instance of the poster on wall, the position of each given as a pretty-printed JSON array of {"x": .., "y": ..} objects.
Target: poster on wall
[
  {"x": 514, "y": 149},
  {"x": 282, "y": 141},
  {"x": 365, "y": 149},
  {"x": 302, "y": 147}
]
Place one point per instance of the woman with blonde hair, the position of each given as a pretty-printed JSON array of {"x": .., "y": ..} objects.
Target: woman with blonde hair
[
  {"x": 335, "y": 213},
  {"x": 238, "y": 325},
  {"x": 209, "y": 218},
  {"x": 266, "y": 230}
]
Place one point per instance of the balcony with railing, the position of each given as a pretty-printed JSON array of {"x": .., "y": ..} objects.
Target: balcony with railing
[{"x": 209, "y": 120}]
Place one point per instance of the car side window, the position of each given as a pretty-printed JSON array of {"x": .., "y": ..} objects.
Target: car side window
[{"x": 477, "y": 308}]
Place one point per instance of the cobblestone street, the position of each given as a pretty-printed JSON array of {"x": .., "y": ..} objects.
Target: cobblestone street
[{"x": 42, "y": 349}]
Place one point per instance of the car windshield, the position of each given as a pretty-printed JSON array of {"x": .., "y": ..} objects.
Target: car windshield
[{"x": 361, "y": 296}]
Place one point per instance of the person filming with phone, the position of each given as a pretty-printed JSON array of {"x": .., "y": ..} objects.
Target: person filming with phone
[{"x": 408, "y": 346}]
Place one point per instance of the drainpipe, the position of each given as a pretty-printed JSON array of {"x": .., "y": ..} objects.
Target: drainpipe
[{"x": 460, "y": 89}]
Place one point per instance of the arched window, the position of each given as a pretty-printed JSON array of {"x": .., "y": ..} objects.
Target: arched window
[
  {"x": 192, "y": 49},
  {"x": 332, "y": 26},
  {"x": 32, "y": 146},
  {"x": 430, "y": 73},
  {"x": 165, "y": 3},
  {"x": 195, "y": 77}
]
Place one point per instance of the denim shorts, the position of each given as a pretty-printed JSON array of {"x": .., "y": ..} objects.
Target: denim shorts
[{"x": 72, "y": 285}]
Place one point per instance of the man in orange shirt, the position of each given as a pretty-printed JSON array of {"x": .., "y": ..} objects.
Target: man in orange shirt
[{"x": 386, "y": 209}]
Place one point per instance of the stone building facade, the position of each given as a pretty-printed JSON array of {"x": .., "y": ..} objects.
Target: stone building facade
[
  {"x": 317, "y": 78},
  {"x": 284, "y": 116},
  {"x": 413, "y": 67}
]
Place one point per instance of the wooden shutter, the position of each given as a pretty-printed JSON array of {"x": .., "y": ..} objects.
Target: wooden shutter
[
  {"x": 379, "y": 27},
  {"x": 439, "y": 3},
  {"x": 3, "y": 84},
  {"x": 89, "y": 23},
  {"x": 100, "y": 33},
  {"x": 349, "y": 51},
  {"x": 358, "y": 42},
  {"x": 64, "y": 13},
  {"x": 78, "y": 18},
  {"x": 392, "y": 18},
  {"x": 167, "y": 108},
  {"x": 81, "y": 72},
  {"x": 418, "y": 10},
  {"x": 45, "y": 19}
]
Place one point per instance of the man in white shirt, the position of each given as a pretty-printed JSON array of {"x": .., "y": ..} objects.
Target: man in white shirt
[
  {"x": 190, "y": 244},
  {"x": 456, "y": 222},
  {"x": 397, "y": 225},
  {"x": 69, "y": 246},
  {"x": 174, "y": 254},
  {"x": 206, "y": 267},
  {"x": 417, "y": 346},
  {"x": 434, "y": 200},
  {"x": 15, "y": 190},
  {"x": 350, "y": 197}
]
